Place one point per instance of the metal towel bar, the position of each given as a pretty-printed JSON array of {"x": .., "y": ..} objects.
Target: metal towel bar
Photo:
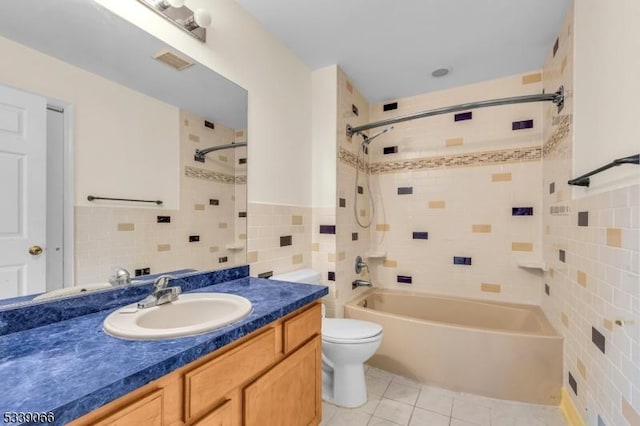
[{"x": 93, "y": 198}]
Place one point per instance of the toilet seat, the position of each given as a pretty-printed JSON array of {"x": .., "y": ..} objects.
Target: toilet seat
[{"x": 340, "y": 330}]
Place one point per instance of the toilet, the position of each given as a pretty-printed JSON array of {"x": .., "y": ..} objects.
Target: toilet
[{"x": 346, "y": 345}]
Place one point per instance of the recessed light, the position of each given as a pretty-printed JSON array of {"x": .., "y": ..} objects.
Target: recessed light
[{"x": 440, "y": 72}]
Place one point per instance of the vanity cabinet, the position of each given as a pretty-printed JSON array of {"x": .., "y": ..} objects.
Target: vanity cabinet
[{"x": 270, "y": 377}]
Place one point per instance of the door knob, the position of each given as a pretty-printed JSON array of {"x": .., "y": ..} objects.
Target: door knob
[{"x": 35, "y": 250}]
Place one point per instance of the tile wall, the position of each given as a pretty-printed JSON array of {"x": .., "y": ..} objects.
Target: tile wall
[
  {"x": 205, "y": 233},
  {"x": 458, "y": 202},
  {"x": 279, "y": 238},
  {"x": 592, "y": 248}
]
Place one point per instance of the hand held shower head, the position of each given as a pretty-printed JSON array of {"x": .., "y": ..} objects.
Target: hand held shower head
[{"x": 367, "y": 139}]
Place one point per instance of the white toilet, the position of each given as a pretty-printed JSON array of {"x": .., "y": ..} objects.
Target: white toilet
[{"x": 346, "y": 345}]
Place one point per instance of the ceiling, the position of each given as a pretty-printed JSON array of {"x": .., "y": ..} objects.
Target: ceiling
[
  {"x": 389, "y": 48},
  {"x": 84, "y": 34}
]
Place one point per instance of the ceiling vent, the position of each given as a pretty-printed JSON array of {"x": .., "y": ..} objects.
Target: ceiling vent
[{"x": 173, "y": 59}]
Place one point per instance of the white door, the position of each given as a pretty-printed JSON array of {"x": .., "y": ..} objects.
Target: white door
[{"x": 22, "y": 193}]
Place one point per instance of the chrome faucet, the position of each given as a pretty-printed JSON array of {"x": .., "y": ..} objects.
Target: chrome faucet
[
  {"x": 161, "y": 294},
  {"x": 360, "y": 283},
  {"x": 120, "y": 277}
]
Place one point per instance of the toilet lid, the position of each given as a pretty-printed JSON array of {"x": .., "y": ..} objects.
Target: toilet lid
[{"x": 340, "y": 329}]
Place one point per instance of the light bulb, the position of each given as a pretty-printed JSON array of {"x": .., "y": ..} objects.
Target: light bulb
[
  {"x": 202, "y": 18},
  {"x": 176, "y": 3}
]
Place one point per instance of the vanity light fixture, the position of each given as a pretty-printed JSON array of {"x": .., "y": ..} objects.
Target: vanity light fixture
[{"x": 175, "y": 11}]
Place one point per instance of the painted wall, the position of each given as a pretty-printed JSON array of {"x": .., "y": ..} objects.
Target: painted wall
[
  {"x": 446, "y": 188},
  {"x": 114, "y": 128},
  {"x": 279, "y": 87},
  {"x": 606, "y": 91},
  {"x": 323, "y": 136},
  {"x": 592, "y": 239}
]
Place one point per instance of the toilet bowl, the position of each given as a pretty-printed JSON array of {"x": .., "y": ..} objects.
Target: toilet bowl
[{"x": 346, "y": 345}]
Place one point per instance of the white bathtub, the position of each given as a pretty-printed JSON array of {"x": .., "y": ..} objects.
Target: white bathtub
[{"x": 499, "y": 350}]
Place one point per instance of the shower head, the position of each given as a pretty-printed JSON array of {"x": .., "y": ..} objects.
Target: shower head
[{"x": 367, "y": 139}]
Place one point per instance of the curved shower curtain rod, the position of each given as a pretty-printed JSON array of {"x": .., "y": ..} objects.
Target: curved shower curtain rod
[
  {"x": 200, "y": 153},
  {"x": 557, "y": 98}
]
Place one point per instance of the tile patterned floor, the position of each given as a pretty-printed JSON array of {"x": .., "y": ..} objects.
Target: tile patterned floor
[{"x": 395, "y": 400}]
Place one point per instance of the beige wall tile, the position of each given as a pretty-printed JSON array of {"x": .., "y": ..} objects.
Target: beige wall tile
[
  {"x": 297, "y": 259},
  {"x": 614, "y": 237},
  {"x": 520, "y": 246},
  {"x": 342, "y": 256},
  {"x": 315, "y": 246},
  {"x": 296, "y": 220},
  {"x": 532, "y": 78},
  {"x": 223, "y": 225},
  {"x": 126, "y": 227},
  {"x": 630, "y": 414},
  {"x": 199, "y": 207},
  {"x": 454, "y": 142},
  {"x": 608, "y": 324},
  {"x": 383, "y": 227},
  {"x": 437, "y": 204},
  {"x": 490, "y": 288},
  {"x": 481, "y": 228},
  {"x": 164, "y": 247},
  {"x": 565, "y": 319},
  {"x": 581, "y": 368},
  {"x": 563, "y": 65},
  {"x": 214, "y": 249},
  {"x": 194, "y": 138},
  {"x": 581, "y": 278},
  {"x": 252, "y": 256},
  {"x": 501, "y": 177},
  {"x": 331, "y": 257},
  {"x": 388, "y": 263}
]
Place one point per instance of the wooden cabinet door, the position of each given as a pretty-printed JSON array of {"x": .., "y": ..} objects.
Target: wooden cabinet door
[
  {"x": 146, "y": 411},
  {"x": 221, "y": 416},
  {"x": 290, "y": 394}
]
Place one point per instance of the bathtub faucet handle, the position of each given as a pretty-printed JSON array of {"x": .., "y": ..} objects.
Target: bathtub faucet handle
[{"x": 360, "y": 264}]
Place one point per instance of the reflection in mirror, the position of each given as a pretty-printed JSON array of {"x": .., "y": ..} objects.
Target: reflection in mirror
[{"x": 90, "y": 105}]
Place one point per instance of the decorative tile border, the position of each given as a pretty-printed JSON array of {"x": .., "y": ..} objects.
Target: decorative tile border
[
  {"x": 350, "y": 158},
  {"x": 514, "y": 155},
  {"x": 195, "y": 172},
  {"x": 562, "y": 128}
]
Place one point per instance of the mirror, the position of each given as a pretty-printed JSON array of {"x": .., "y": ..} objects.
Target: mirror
[{"x": 93, "y": 106}]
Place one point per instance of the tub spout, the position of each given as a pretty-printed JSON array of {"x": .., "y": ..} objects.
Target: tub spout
[{"x": 360, "y": 283}]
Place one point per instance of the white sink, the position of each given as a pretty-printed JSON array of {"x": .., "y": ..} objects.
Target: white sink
[{"x": 189, "y": 315}]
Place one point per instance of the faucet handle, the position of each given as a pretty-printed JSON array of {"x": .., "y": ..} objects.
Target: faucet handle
[
  {"x": 162, "y": 281},
  {"x": 120, "y": 276}
]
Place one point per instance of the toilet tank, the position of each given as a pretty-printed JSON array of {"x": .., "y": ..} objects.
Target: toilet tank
[{"x": 306, "y": 276}]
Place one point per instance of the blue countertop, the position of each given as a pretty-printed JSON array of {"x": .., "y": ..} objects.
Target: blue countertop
[{"x": 72, "y": 367}]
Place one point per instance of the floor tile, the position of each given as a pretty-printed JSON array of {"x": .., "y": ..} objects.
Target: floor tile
[
  {"x": 433, "y": 399},
  {"x": 402, "y": 393},
  {"x": 471, "y": 412},
  {"x": 422, "y": 417},
  {"x": 328, "y": 411},
  {"x": 381, "y": 374},
  {"x": 406, "y": 381},
  {"x": 457, "y": 422},
  {"x": 394, "y": 411},
  {"x": 377, "y": 421},
  {"x": 346, "y": 417},
  {"x": 376, "y": 386}
]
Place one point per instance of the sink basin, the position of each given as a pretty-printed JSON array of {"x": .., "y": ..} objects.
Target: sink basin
[{"x": 189, "y": 315}]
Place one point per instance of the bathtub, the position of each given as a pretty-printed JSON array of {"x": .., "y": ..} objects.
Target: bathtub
[{"x": 499, "y": 350}]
